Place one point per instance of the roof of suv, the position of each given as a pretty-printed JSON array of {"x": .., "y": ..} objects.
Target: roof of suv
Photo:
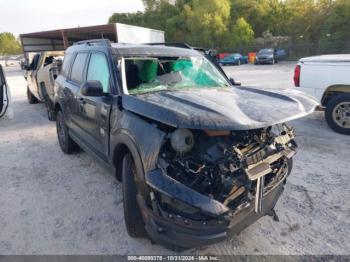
[
  {"x": 152, "y": 50},
  {"x": 120, "y": 49}
]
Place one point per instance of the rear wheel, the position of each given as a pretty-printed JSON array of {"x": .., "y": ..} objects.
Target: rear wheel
[
  {"x": 67, "y": 144},
  {"x": 48, "y": 103},
  {"x": 338, "y": 113},
  {"x": 50, "y": 113},
  {"x": 132, "y": 215},
  {"x": 31, "y": 98}
]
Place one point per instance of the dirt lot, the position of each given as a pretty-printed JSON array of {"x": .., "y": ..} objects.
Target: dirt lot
[{"x": 51, "y": 203}]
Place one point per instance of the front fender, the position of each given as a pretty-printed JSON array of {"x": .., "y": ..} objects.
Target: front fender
[{"x": 138, "y": 135}]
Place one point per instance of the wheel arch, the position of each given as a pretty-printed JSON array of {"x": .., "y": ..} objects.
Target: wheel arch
[
  {"x": 333, "y": 90},
  {"x": 124, "y": 144}
]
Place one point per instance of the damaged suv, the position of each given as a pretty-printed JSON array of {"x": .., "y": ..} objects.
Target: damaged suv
[{"x": 199, "y": 158}]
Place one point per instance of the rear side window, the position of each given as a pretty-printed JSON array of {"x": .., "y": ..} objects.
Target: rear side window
[
  {"x": 77, "y": 74},
  {"x": 99, "y": 70},
  {"x": 67, "y": 61}
]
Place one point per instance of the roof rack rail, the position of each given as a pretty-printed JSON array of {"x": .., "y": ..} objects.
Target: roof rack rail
[
  {"x": 94, "y": 42},
  {"x": 180, "y": 45},
  {"x": 173, "y": 44}
]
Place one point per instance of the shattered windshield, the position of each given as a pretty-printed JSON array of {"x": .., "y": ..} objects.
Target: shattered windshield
[{"x": 145, "y": 75}]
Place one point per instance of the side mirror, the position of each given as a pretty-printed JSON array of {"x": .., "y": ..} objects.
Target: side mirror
[
  {"x": 233, "y": 82},
  {"x": 92, "y": 88}
]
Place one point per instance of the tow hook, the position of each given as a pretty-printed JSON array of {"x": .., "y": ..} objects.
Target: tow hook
[{"x": 272, "y": 213}]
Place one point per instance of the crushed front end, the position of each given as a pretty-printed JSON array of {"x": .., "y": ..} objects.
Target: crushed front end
[{"x": 210, "y": 184}]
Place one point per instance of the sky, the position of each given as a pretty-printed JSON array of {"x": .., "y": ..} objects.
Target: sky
[{"x": 26, "y": 16}]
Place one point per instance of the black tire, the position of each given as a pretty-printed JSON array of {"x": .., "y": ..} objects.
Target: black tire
[
  {"x": 290, "y": 165},
  {"x": 334, "y": 121},
  {"x": 51, "y": 115},
  {"x": 31, "y": 98},
  {"x": 68, "y": 146},
  {"x": 48, "y": 103},
  {"x": 132, "y": 215}
]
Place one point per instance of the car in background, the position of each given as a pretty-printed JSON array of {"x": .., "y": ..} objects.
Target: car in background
[
  {"x": 234, "y": 59},
  {"x": 326, "y": 78},
  {"x": 40, "y": 75},
  {"x": 270, "y": 56}
]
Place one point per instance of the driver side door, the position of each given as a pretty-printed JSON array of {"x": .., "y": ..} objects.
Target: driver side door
[{"x": 94, "y": 111}]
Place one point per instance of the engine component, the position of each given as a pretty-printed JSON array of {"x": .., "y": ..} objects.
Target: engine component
[
  {"x": 182, "y": 140},
  {"x": 233, "y": 169}
]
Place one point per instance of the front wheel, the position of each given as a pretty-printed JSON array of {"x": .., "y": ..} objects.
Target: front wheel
[
  {"x": 337, "y": 113},
  {"x": 68, "y": 146},
  {"x": 132, "y": 215}
]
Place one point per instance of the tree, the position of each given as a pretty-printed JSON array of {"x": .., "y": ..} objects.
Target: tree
[
  {"x": 207, "y": 21},
  {"x": 224, "y": 24},
  {"x": 253, "y": 11},
  {"x": 9, "y": 44},
  {"x": 335, "y": 28},
  {"x": 242, "y": 33}
]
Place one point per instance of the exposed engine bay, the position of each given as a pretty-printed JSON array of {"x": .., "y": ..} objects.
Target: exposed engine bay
[{"x": 232, "y": 167}]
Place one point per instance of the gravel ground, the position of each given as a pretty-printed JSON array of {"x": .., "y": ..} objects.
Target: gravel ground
[{"x": 51, "y": 203}]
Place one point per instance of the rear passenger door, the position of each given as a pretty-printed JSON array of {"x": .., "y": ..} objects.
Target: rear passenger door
[
  {"x": 94, "y": 111},
  {"x": 71, "y": 89}
]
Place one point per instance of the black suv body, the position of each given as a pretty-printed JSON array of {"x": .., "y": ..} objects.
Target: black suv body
[{"x": 199, "y": 159}]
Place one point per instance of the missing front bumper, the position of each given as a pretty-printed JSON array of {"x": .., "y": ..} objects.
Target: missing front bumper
[
  {"x": 171, "y": 231},
  {"x": 174, "y": 230}
]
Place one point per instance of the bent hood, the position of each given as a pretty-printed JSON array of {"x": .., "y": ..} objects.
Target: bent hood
[{"x": 236, "y": 108}]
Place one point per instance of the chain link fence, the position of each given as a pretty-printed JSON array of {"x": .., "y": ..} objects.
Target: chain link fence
[{"x": 296, "y": 51}]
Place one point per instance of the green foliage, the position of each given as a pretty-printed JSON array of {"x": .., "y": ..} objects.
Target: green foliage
[
  {"x": 228, "y": 24},
  {"x": 242, "y": 33},
  {"x": 207, "y": 21},
  {"x": 9, "y": 44}
]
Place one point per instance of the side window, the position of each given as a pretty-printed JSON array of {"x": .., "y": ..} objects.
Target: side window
[
  {"x": 77, "y": 74},
  {"x": 67, "y": 61},
  {"x": 99, "y": 70},
  {"x": 35, "y": 61}
]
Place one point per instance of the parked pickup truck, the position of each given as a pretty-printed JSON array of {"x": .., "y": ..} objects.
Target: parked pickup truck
[
  {"x": 327, "y": 78},
  {"x": 199, "y": 158},
  {"x": 40, "y": 76}
]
